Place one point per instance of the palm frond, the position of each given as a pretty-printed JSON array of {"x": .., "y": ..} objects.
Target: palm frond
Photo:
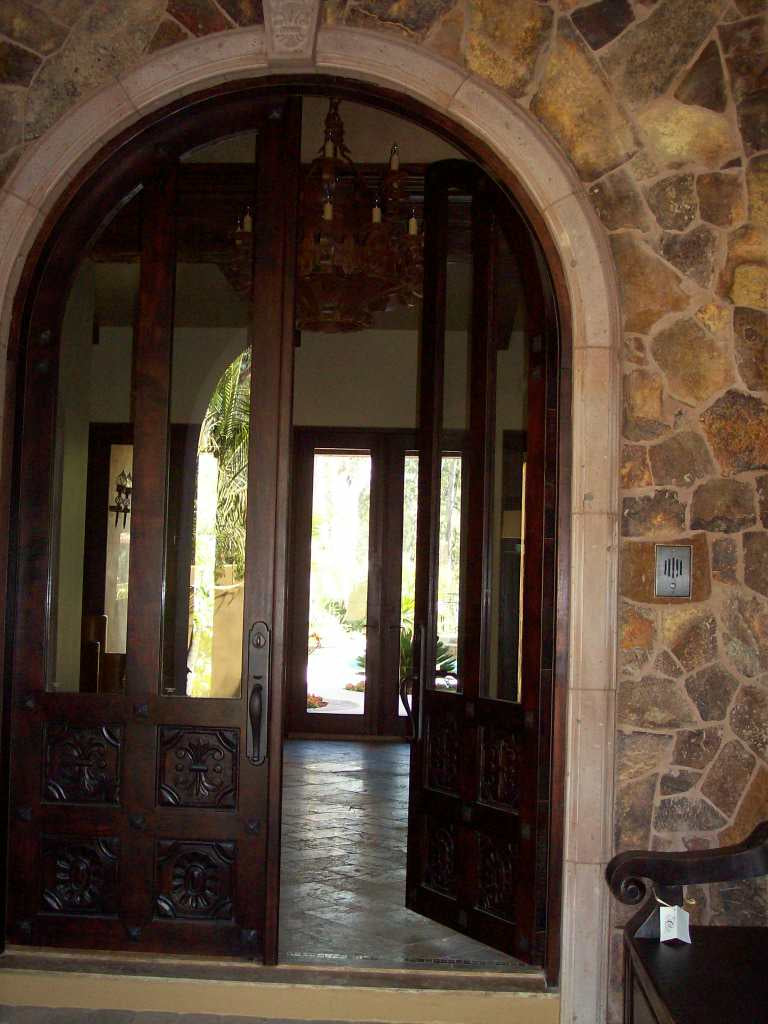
[{"x": 225, "y": 434}]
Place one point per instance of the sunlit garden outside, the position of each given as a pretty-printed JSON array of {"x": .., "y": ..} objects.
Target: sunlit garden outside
[
  {"x": 336, "y": 677},
  {"x": 338, "y": 591},
  {"x": 218, "y": 572}
]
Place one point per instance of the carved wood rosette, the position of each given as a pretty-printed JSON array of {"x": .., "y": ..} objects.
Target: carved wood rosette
[
  {"x": 80, "y": 875},
  {"x": 194, "y": 880},
  {"x": 82, "y": 763},
  {"x": 197, "y": 767}
]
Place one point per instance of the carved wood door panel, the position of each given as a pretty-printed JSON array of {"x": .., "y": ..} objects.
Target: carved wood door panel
[
  {"x": 479, "y": 801},
  {"x": 145, "y": 812}
]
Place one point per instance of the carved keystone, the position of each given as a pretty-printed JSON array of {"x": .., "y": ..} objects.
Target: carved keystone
[{"x": 291, "y": 29}]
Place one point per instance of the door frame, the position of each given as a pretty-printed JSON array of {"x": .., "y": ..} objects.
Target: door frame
[{"x": 481, "y": 152}]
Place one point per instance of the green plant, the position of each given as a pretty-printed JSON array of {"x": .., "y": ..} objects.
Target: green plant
[
  {"x": 356, "y": 687},
  {"x": 224, "y": 433},
  {"x": 314, "y": 702},
  {"x": 339, "y": 610},
  {"x": 444, "y": 659}
]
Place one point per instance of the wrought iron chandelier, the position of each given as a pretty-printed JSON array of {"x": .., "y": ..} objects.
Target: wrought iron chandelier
[{"x": 360, "y": 250}]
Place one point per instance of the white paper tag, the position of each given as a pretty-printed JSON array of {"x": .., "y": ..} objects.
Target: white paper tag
[{"x": 673, "y": 924}]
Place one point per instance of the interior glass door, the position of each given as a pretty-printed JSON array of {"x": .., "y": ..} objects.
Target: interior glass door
[
  {"x": 145, "y": 737},
  {"x": 352, "y": 595}
]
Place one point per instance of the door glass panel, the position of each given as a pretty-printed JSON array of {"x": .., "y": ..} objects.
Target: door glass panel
[
  {"x": 506, "y": 515},
  {"x": 449, "y": 575},
  {"x": 93, "y": 464},
  {"x": 338, "y": 583},
  {"x": 118, "y": 553},
  {"x": 455, "y": 423},
  {"x": 209, "y": 430},
  {"x": 408, "y": 576}
]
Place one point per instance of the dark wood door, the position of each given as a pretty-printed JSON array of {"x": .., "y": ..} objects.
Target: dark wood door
[
  {"x": 144, "y": 818},
  {"x": 478, "y": 825}
]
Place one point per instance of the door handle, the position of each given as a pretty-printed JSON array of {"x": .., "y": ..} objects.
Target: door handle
[
  {"x": 412, "y": 679},
  {"x": 419, "y": 671},
  {"x": 257, "y": 726}
]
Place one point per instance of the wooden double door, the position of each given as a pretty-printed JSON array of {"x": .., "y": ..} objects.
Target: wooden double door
[{"x": 145, "y": 778}]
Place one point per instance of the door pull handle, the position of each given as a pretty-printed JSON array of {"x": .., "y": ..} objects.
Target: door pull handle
[
  {"x": 419, "y": 668},
  {"x": 257, "y": 726},
  {"x": 407, "y": 701}
]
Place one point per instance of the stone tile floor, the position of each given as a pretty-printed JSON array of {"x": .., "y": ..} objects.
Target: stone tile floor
[{"x": 345, "y": 821}]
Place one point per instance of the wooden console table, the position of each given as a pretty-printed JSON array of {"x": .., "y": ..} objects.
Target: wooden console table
[{"x": 722, "y": 976}]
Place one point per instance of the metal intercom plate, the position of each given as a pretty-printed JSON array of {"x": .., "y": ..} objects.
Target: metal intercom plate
[{"x": 673, "y": 570}]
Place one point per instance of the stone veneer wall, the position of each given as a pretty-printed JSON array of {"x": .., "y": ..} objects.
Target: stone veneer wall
[{"x": 662, "y": 108}]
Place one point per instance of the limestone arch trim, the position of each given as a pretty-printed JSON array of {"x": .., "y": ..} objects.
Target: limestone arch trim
[{"x": 552, "y": 187}]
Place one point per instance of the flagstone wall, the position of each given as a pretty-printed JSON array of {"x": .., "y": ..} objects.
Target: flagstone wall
[{"x": 662, "y": 108}]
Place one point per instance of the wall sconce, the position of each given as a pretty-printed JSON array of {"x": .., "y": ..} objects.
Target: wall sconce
[{"x": 122, "y": 501}]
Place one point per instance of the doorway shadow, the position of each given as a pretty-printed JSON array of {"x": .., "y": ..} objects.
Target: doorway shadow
[{"x": 345, "y": 824}]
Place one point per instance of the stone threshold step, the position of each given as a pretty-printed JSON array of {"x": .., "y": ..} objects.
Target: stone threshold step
[
  {"x": 128, "y": 964},
  {"x": 293, "y": 993}
]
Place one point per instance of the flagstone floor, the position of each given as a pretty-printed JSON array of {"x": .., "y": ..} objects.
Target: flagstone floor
[{"x": 345, "y": 818}]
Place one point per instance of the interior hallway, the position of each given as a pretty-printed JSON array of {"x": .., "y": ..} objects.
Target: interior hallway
[{"x": 345, "y": 820}]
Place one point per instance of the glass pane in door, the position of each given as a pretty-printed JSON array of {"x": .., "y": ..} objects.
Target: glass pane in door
[
  {"x": 506, "y": 512},
  {"x": 118, "y": 548},
  {"x": 455, "y": 424},
  {"x": 210, "y": 422},
  {"x": 449, "y": 574},
  {"x": 338, "y": 585},
  {"x": 93, "y": 464},
  {"x": 408, "y": 575}
]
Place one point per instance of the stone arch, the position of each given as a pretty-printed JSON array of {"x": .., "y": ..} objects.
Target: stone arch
[{"x": 550, "y": 191}]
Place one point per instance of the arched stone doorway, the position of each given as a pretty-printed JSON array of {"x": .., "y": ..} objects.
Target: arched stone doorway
[{"x": 514, "y": 148}]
